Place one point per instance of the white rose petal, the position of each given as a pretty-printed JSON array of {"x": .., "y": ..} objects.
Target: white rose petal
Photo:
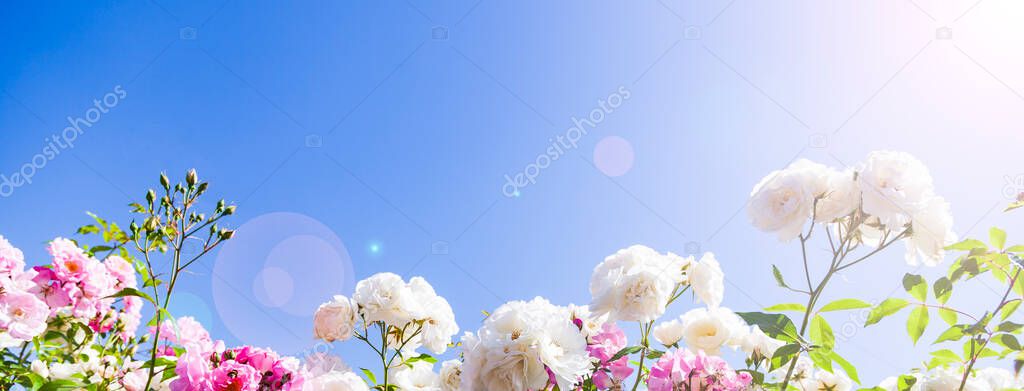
[
  {"x": 931, "y": 232},
  {"x": 635, "y": 284},
  {"x": 707, "y": 280},
  {"x": 451, "y": 375},
  {"x": 783, "y": 201},
  {"x": 668, "y": 333},
  {"x": 710, "y": 329},
  {"x": 894, "y": 185}
]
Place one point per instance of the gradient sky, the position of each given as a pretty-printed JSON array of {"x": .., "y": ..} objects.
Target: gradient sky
[{"x": 361, "y": 137}]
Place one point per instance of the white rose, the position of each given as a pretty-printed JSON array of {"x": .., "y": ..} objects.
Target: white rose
[
  {"x": 782, "y": 201},
  {"x": 668, "y": 333},
  {"x": 451, "y": 375},
  {"x": 439, "y": 320},
  {"x": 39, "y": 368},
  {"x": 335, "y": 381},
  {"x": 634, "y": 284},
  {"x": 335, "y": 319},
  {"x": 420, "y": 377},
  {"x": 949, "y": 380},
  {"x": 1000, "y": 379},
  {"x": 827, "y": 381},
  {"x": 759, "y": 345},
  {"x": 386, "y": 297},
  {"x": 518, "y": 343},
  {"x": 589, "y": 324},
  {"x": 842, "y": 198},
  {"x": 707, "y": 280},
  {"x": 931, "y": 231},
  {"x": 894, "y": 185},
  {"x": 711, "y": 329},
  {"x": 60, "y": 370}
]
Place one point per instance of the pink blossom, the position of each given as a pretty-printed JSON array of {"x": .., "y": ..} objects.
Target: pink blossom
[
  {"x": 23, "y": 315},
  {"x": 234, "y": 376},
  {"x": 131, "y": 317},
  {"x": 122, "y": 270},
  {"x": 69, "y": 261},
  {"x": 185, "y": 332},
  {"x": 194, "y": 373},
  {"x": 610, "y": 340},
  {"x": 680, "y": 369},
  {"x": 12, "y": 261},
  {"x": 245, "y": 368}
]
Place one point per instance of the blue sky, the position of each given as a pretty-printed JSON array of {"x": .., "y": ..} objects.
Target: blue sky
[{"x": 376, "y": 136}]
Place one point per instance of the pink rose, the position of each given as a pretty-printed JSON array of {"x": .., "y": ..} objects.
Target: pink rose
[
  {"x": 23, "y": 315},
  {"x": 233, "y": 376},
  {"x": 122, "y": 270},
  {"x": 12, "y": 261}
]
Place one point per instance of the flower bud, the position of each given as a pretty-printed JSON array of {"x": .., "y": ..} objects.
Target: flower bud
[
  {"x": 166, "y": 183},
  {"x": 191, "y": 178}
]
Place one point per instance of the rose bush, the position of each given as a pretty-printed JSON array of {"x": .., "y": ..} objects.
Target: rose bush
[{"x": 74, "y": 322}]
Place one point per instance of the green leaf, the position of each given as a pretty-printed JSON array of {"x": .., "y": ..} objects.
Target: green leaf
[
  {"x": 1008, "y": 327},
  {"x": 133, "y": 292},
  {"x": 778, "y": 277},
  {"x": 60, "y": 385},
  {"x": 997, "y": 237},
  {"x": 625, "y": 352},
  {"x": 916, "y": 286},
  {"x": 945, "y": 353},
  {"x": 1009, "y": 308},
  {"x": 1007, "y": 340},
  {"x": 784, "y": 354},
  {"x": 786, "y": 307},
  {"x": 948, "y": 315},
  {"x": 1016, "y": 249},
  {"x": 850, "y": 370},
  {"x": 821, "y": 359},
  {"x": 967, "y": 245},
  {"x": 777, "y": 326},
  {"x": 88, "y": 229},
  {"x": 1014, "y": 205},
  {"x": 844, "y": 304},
  {"x": 422, "y": 357},
  {"x": 886, "y": 308},
  {"x": 905, "y": 382},
  {"x": 942, "y": 288},
  {"x": 951, "y": 334},
  {"x": 370, "y": 376},
  {"x": 917, "y": 323},
  {"x": 821, "y": 333}
]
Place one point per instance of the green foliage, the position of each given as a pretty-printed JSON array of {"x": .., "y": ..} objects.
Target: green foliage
[
  {"x": 885, "y": 308},
  {"x": 917, "y": 322},
  {"x": 777, "y": 326},
  {"x": 844, "y": 304}
]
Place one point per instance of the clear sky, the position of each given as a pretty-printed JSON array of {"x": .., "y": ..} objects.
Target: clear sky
[{"x": 360, "y": 137}]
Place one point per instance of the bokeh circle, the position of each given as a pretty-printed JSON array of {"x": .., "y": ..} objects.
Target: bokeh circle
[
  {"x": 269, "y": 279},
  {"x": 613, "y": 155}
]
